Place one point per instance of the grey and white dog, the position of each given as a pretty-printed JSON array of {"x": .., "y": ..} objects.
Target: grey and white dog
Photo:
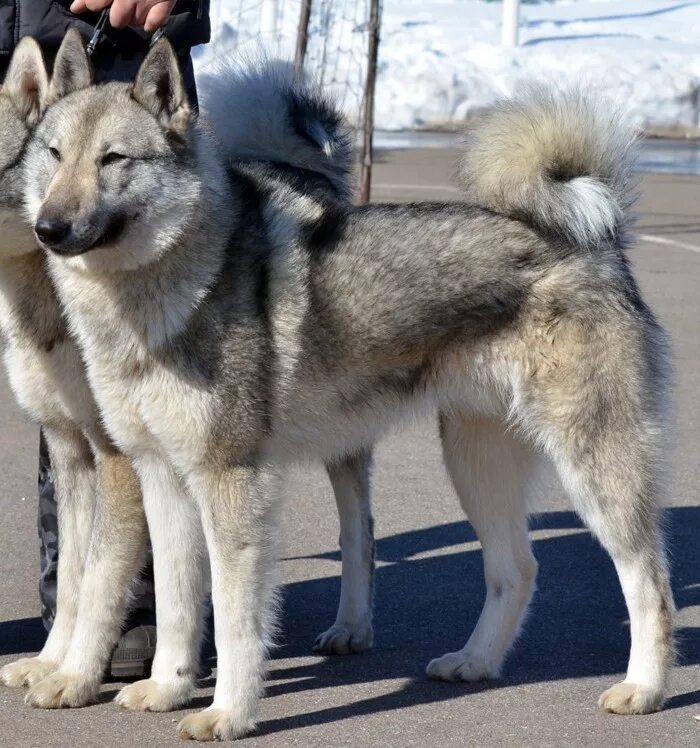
[
  {"x": 48, "y": 377},
  {"x": 236, "y": 316}
]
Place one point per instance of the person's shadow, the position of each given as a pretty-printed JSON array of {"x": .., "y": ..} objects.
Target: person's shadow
[{"x": 424, "y": 607}]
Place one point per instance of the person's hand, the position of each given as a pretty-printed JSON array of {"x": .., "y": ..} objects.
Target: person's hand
[{"x": 151, "y": 14}]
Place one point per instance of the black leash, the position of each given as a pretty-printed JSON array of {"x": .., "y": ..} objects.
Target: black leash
[{"x": 99, "y": 30}]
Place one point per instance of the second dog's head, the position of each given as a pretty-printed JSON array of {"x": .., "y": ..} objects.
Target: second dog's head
[
  {"x": 22, "y": 100},
  {"x": 110, "y": 178}
]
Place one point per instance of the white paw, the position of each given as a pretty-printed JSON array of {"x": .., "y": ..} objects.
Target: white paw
[
  {"x": 26, "y": 672},
  {"x": 343, "y": 639},
  {"x": 461, "y": 666},
  {"x": 61, "y": 690},
  {"x": 631, "y": 698},
  {"x": 154, "y": 696},
  {"x": 214, "y": 724}
]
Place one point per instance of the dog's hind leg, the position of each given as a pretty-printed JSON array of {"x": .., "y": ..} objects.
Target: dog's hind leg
[
  {"x": 118, "y": 541},
  {"x": 74, "y": 469},
  {"x": 600, "y": 414},
  {"x": 352, "y": 630},
  {"x": 491, "y": 471}
]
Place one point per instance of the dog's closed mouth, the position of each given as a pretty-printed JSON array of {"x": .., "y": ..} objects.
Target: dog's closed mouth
[{"x": 115, "y": 228}]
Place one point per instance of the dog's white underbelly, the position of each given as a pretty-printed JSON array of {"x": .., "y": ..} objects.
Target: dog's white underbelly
[{"x": 318, "y": 422}]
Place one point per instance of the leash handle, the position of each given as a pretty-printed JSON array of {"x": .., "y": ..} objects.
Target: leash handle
[
  {"x": 99, "y": 29},
  {"x": 157, "y": 34},
  {"x": 97, "y": 34}
]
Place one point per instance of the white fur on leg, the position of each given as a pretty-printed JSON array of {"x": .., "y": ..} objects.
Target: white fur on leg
[
  {"x": 75, "y": 496},
  {"x": 60, "y": 690},
  {"x": 238, "y": 513},
  {"x": 26, "y": 671},
  {"x": 150, "y": 695},
  {"x": 490, "y": 471},
  {"x": 176, "y": 539},
  {"x": 352, "y": 630},
  {"x": 614, "y": 490},
  {"x": 642, "y": 691},
  {"x": 118, "y": 539}
]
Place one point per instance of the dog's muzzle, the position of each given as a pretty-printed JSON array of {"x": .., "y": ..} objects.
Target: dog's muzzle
[{"x": 59, "y": 235}]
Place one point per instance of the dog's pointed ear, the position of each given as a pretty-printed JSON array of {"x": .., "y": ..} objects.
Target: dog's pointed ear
[
  {"x": 160, "y": 88},
  {"x": 72, "y": 70},
  {"x": 26, "y": 81}
]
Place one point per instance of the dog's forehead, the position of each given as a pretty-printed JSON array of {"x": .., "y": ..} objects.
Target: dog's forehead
[{"x": 99, "y": 115}]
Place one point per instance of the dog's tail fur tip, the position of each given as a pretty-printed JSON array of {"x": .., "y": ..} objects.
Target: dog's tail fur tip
[
  {"x": 261, "y": 110},
  {"x": 559, "y": 160}
]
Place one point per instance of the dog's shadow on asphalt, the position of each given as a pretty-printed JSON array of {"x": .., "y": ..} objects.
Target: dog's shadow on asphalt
[
  {"x": 577, "y": 626},
  {"x": 426, "y": 606}
]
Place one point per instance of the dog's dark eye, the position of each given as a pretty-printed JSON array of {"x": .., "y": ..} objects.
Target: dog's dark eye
[
  {"x": 112, "y": 157},
  {"x": 55, "y": 153}
]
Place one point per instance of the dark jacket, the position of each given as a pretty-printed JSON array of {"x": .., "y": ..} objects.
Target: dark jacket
[{"x": 47, "y": 21}]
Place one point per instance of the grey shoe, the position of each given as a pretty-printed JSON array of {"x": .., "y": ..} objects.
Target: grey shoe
[{"x": 134, "y": 653}]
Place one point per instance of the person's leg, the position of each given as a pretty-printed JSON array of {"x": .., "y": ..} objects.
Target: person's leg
[{"x": 47, "y": 525}]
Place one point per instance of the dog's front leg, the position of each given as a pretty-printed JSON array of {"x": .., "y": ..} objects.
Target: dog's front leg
[
  {"x": 178, "y": 566},
  {"x": 238, "y": 513},
  {"x": 116, "y": 548},
  {"x": 74, "y": 470}
]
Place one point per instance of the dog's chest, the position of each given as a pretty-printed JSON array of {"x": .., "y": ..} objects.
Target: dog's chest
[{"x": 147, "y": 407}]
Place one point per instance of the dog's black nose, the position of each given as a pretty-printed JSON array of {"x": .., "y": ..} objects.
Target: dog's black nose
[{"x": 52, "y": 230}]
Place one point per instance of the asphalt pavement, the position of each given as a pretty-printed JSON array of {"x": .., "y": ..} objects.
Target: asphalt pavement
[{"x": 429, "y": 587}]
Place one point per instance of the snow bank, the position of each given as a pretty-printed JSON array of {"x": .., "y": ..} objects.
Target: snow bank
[{"x": 439, "y": 60}]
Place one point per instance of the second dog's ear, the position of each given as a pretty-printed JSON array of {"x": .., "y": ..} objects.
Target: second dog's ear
[
  {"x": 26, "y": 82},
  {"x": 72, "y": 70},
  {"x": 159, "y": 88}
]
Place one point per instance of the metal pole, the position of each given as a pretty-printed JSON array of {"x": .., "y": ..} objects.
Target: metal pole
[
  {"x": 368, "y": 115},
  {"x": 302, "y": 36},
  {"x": 511, "y": 23}
]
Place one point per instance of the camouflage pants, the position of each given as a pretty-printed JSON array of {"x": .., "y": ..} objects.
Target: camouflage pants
[{"x": 142, "y": 590}]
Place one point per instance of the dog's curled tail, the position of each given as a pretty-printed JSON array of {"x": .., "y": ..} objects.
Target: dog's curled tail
[
  {"x": 558, "y": 160},
  {"x": 262, "y": 110}
]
